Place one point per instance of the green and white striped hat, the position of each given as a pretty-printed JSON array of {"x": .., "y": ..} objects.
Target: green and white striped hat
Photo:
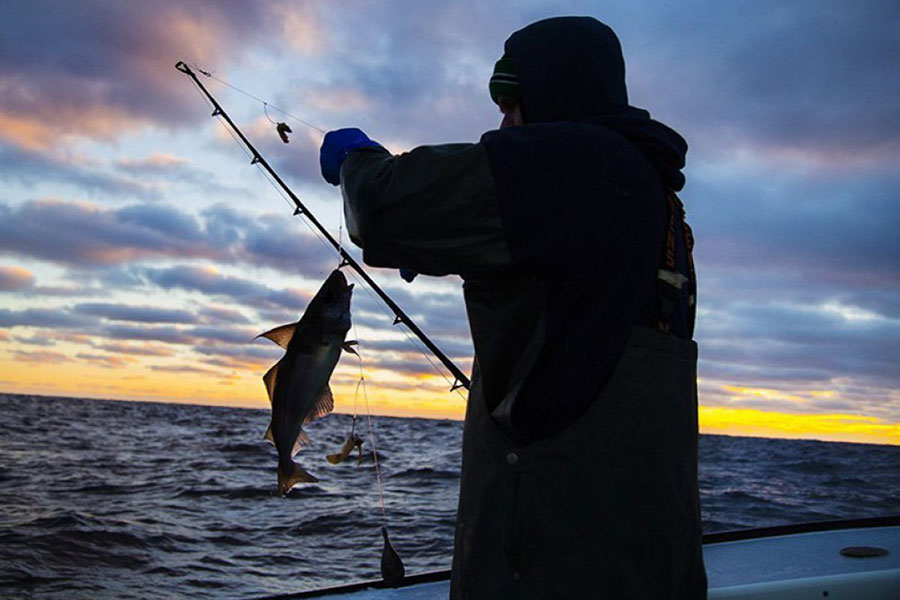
[{"x": 505, "y": 81}]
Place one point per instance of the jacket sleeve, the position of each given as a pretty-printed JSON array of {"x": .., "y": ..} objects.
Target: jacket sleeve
[{"x": 432, "y": 210}]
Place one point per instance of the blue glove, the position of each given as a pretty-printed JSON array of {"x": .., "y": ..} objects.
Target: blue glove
[
  {"x": 335, "y": 148},
  {"x": 408, "y": 274}
]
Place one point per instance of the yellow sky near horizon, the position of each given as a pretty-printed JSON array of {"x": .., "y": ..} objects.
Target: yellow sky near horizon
[{"x": 392, "y": 394}]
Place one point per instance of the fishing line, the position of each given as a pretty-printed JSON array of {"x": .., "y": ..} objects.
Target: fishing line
[
  {"x": 259, "y": 169},
  {"x": 362, "y": 383},
  {"x": 264, "y": 103},
  {"x": 266, "y": 112}
]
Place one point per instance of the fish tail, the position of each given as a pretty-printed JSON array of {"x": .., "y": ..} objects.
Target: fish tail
[{"x": 293, "y": 474}]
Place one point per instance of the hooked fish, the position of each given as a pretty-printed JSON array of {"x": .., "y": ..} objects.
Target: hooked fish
[{"x": 298, "y": 383}]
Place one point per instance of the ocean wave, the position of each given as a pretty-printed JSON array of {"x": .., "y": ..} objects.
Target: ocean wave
[
  {"x": 246, "y": 448},
  {"x": 425, "y": 474},
  {"x": 241, "y": 493}
]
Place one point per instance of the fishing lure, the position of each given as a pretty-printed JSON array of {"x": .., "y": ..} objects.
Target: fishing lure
[
  {"x": 352, "y": 441},
  {"x": 283, "y": 129}
]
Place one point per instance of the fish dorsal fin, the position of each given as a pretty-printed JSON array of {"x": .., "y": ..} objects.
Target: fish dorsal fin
[
  {"x": 323, "y": 406},
  {"x": 301, "y": 441},
  {"x": 281, "y": 335},
  {"x": 269, "y": 379},
  {"x": 269, "y": 437}
]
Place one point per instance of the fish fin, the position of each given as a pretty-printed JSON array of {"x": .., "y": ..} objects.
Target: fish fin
[
  {"x": 323, "y": 406},
  {"x": 281, "y": 335},
  {"x": 301, "y": 441},
  {"x": 348, "y": 347},
  {"x": 268, "y": 436},
  {"x": 297, "y": 475},
  {"x": 269, "y": 379}
]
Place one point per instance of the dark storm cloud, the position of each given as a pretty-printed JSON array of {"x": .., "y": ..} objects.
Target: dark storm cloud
[{"x": 143, "y": 314}]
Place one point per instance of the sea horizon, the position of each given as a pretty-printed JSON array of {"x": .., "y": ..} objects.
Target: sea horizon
[{"x": 391, "y": 416}]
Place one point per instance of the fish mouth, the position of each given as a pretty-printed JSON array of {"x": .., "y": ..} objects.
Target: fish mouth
[{"x": 337, "y": 278}]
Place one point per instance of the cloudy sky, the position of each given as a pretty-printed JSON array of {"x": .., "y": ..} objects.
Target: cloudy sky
[{"x": 140, "y": 253}]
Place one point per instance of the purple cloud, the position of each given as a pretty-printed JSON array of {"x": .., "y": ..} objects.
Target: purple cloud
[
  {"x": 13, "y": 279},
  {"x": 103, "y": 97},
  {"x": 211, "y": 282},
  {"x": 81, "y": 234},
  {"x": 42, "y": 317},
  {"x": 40, "y": 357},
  {"x": 137, "y": 350},
  {"x": 142, "y": 314},
  {"x": 85, "y": 235}
]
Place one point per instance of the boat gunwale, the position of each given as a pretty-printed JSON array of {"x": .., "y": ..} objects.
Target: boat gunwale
[{"x": 708, "y": 538}]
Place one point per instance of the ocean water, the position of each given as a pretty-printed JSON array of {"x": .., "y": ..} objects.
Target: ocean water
[{"x": 103, "y": 499}]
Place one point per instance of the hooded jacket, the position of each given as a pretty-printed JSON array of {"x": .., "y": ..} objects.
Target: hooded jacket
[
  {"x": 557, "y": 229},
  {"x": 570, "y": 206}
]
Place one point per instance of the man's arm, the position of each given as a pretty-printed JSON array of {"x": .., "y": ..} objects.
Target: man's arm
[{"x": 432, "y": 210}]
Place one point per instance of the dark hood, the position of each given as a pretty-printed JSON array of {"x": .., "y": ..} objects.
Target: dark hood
[{"x": 572, "y": 69}]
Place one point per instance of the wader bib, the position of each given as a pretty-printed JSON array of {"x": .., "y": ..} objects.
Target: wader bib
[{"x": 606, "y": 508}]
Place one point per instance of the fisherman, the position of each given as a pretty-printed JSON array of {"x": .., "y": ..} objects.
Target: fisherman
[{"x": 579, "y": 474}]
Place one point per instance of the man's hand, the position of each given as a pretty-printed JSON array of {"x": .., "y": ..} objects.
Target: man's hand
[{"x": 335, "y": 148}]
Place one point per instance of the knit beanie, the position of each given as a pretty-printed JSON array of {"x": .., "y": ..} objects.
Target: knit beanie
[{"x": 505, "y": 81}]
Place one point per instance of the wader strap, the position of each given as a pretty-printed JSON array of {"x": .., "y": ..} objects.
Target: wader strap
[{"x": 669, "y": 281}]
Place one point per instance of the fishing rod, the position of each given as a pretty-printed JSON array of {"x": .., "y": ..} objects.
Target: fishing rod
[{"x": 346, "y": 260}]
